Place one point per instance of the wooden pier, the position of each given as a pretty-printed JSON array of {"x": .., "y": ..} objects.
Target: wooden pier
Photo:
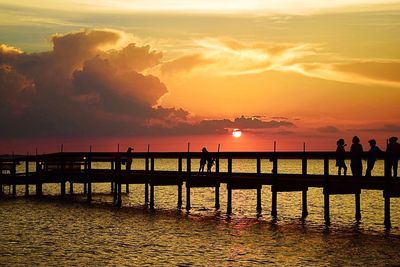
[{"x": 79, "y": 168}]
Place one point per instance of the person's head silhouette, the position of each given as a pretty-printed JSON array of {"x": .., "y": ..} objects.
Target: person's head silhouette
[
  {"x": 372, "y": 142},
  {"x": 355, "y": 140},
  {"x": 340, "y": 142},
  {"x": 393, "y": 139}
]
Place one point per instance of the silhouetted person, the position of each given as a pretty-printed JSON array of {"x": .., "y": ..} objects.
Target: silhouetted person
[
  {"x": 210, "y": 163},
  {"x": 129, "y": 158},
  {"x": 392, "y": 155},
  {"x": 203, "y": 159},
  {"x": 372, "y": 154},
  {"x": 356, "y": 151},
  {"x": 340, "y": 156}
]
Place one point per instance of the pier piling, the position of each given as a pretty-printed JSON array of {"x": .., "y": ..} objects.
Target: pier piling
[
  {"x": 274, "y": 211},
  {"x": 180, "y": 196},
  {"x": 187, "y": 197},
  {"x": 358, "y": 207},
  {"x": 151, "y": 196},
  {"x": 229, "y": 202},
  {"x": 259, "y": 208},
  {"x": 217, "y": 205},
  {"x": 304, "y": 213},
  {"x": 387, "y": 220}
]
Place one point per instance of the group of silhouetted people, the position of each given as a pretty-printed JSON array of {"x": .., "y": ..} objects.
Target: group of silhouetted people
[
  {"x": 356, "y": 153},
  {"x": 206, "y": 158}
]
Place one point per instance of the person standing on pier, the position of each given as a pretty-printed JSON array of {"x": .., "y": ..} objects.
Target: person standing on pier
[
  {"x": 210, "y": 162},
  {"x": 393, "y": 155},
  {"x": 356, "y": 151},
  {"x": 129, "y": 158},
  {"x": 340, "y": 156},
  {"x": 372, "y": 154},
  {"x": 203, "y": 159}
]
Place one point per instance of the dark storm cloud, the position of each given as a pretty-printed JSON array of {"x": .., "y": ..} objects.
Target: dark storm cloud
[{"x": 82, "y": 89}]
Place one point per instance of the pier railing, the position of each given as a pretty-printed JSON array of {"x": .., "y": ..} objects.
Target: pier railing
[{"x": 83, "y": 167}]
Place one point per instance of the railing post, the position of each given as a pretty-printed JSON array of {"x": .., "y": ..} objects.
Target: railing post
[
  {"x": 13, "y": 173},
  {"x": 39, "y": 170},
  {"x": 89, "y": 173},
  {"x": 118, "y": 181},
  {"x": 229, "y": 165},
  {"x": 304, "y": 192},
  {"x": 62, "y": 176},
  {"x": 180, "y": 184},
  {"x": 274, "y": 201},
  {"x": 26, "y": 175},
  {"x": 258, "y": 165},
  {"x": 146, "y": 185},
  {"x": 188, "y": 170},
  {"x": 387, "y": 193},
  {"x": 326, "y": 191}
]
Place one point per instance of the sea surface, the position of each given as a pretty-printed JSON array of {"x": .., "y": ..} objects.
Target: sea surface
[{"x": 54, "y": 232}]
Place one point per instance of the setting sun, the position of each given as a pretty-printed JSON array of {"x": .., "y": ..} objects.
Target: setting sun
[{"x": 237, "y": 133}]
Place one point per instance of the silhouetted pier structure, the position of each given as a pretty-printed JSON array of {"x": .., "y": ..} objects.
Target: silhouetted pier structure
[{"x": 80, "y": 168}]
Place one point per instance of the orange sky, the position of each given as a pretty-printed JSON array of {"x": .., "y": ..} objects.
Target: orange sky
[{"x": 159, "y": 71}]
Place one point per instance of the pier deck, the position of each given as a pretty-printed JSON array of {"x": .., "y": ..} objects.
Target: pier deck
[{"x": 74, "y": 167}]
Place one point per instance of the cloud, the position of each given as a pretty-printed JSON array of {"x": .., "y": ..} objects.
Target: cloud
[
  {"x": 328, "y": 129},
  {"x": 392, "y": 128},
  {"x": 185, "y": 63},
  {"x": 90, "y": 85},
  {"x": 86, "y": 85},
  {"x": 376, "y": 70}
]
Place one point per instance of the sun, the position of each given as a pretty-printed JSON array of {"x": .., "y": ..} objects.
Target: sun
[{"x": 237, "y": 133}]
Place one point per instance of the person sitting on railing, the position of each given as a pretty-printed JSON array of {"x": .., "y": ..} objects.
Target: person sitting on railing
[
  {"x": 340, "y": 156},
  {"x": 372, "y": 154},
  {"x": 392, "y": 155},
  {"x": 203, "y": 159},
  {"x": 356, "y": 151}
]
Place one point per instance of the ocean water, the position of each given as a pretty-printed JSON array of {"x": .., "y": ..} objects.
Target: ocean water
[{"x": 49, "y": 231}]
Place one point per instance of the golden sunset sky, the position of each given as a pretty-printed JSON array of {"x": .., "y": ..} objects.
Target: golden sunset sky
[{"x": 147, "y": 71}]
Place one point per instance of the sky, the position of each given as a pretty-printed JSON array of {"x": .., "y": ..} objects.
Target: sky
[{"x": 166, "y": 73}]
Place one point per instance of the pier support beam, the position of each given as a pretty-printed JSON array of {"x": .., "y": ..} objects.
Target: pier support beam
[
  {"x": 112, "y": 187},
  {"x": 358, "y": 207},
  {"x": 127, "y": 188},
  {"x": 71, "y": 188},
  {"x": 259, "y": 208},
  {"x": 387, "y": 221},
  {"x": 217, "y": 205},
  {"x": 187, "y": 197},
  {"x": 1, "y": 190},
  {"x": 85, "y": 189},
  {"x": 274, "y": 202},
  {"x": 151, "y": 197},
  {"x": 180, "y": 196},
  {"x": 229, "y": 204},
  {"x": 326, "y": 208},
  {"x": 304, "y": 213}
]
